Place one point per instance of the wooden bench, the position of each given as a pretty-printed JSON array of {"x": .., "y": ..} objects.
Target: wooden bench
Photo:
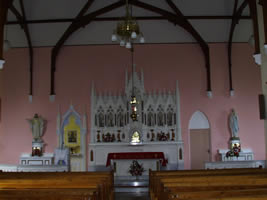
[
  {"x": 215, "y": 193},
  {"x": 169, "y": 184},
  {"x": 99, "y": 185},
  {"x": 48, "y": 194},
  {"x": 154, "y": 176}
]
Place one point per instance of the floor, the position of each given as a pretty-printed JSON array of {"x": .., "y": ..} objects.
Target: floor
[
  {"x": 128, "y": 188},
  {"x": 131, "y": 196}
]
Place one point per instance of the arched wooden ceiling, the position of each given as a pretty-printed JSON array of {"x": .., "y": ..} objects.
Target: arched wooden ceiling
[{"x": 190, "y": 15}]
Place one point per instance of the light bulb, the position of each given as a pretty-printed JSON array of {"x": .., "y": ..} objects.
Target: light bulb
[
  {"x": 251, "y": 41},
  {"x": 128, "y": 45},
  {"x": 113, "y": 38},
  {"x": 7, "y": 45},
  {"x": 122, "y": 43},
  {"x": 133, "y": 35},
  {"x": 2, "y": 64},
  {"x": 142, "y": 40},
  {"x": 209, "y": 94}
]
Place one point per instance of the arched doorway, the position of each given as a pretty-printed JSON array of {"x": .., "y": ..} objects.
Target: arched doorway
[{"x": 199, "y": 136}]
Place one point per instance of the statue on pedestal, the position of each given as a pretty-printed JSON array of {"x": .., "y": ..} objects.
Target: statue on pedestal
[
  {"x": 233, "y": 123},
  {"x": 37, "y": 126},
  {"x": 235, "y": 145}
]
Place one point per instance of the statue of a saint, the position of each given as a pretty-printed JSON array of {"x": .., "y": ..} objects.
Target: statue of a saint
[
  {"x": 233, "y": 123},
  {"x": 37, "y": 127}
]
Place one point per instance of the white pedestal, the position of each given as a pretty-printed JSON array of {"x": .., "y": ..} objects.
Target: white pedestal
[
  {"x": 245, "y": 154},
  {"x": 235, "y": 164},
  {"x": 27, "y": 159},
  {"x": 43, "y": 168}
]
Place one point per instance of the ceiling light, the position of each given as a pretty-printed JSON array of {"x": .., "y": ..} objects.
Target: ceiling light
[{"x": 127, "y": 30}]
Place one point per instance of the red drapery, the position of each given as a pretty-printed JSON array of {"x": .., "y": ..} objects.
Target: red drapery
[{"x": 137, "y": 155}]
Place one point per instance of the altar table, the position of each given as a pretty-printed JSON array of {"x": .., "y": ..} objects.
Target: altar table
[
  {"x": 28, "y": 159},
  {"x": 136, "y": 156}
]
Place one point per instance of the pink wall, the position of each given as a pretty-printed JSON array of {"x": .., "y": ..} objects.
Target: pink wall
[{"x": 163, "y": 64}]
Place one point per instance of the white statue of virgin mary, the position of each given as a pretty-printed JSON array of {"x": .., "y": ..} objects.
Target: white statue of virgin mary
[
  {"x": 233, "y": 123},
  {"x": 37, "y": 127}
]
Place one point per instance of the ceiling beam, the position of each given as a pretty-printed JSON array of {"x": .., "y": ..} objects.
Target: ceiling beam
[
  {"x": 22, "y": 18},
  {"x": 44, "y": 21},
  {"x": 17, "y": 14},
  {"x": 178, "y": 19},
  {"x": 235, "y": 19},
  {"x": 263, "y": 3},
  {"x": 4, "y": 5},
  {"x": 27, "y": 33},
  {"x": 254, "y": 15},
  {"x": 70, "y": 30},
  {"x": 77, "y": 24},
  {"x": 196, "y": 35}
]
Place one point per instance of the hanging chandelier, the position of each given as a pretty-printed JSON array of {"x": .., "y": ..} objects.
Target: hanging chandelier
[{"x": 127, "y": 31}]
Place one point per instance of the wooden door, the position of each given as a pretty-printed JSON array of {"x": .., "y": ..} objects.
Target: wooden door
[{"x": 199, "y": 147}]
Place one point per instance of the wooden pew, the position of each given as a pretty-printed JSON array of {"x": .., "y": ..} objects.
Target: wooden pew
[
  {"x": 215, "y": 193},
  {"x": 155, "y": 175},
  {"x": 100, "y": 184},
  {"x": 164, "y": 185},
  {"x": 48, "y": 194},
  {"x": 95, "y": 186},
  {"x": 208, "y": 181}
]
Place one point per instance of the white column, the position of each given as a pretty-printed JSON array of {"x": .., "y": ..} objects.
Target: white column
[
  {"x": 126, "y": 79},
  {"x": 84, "y": 133},
  {"x": 180, "y": 146},
  {"x": 92, "y": 138},
  {"x": 59, "y": 140},
  {"x": 178, "y": 120}
]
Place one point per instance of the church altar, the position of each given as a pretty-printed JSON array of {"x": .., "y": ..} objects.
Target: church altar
[
  {"x": 121, "y": 162},
  {"x": 100, "y": 154},
  {"x": 156, "y": 128},
  {"x": 137, "y": 156}
]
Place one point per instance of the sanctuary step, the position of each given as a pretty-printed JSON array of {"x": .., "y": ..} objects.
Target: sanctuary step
[
  {"x": 131, "y": 196},
  {"x": 132, "y": 185}
]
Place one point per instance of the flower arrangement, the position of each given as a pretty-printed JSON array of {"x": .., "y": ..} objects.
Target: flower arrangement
[
  {"x": 136, "y": 169},
  {"x": 163, "y": 137},
  {"x": 234, "y": 151},
  {"x": 108, "y": 137}
]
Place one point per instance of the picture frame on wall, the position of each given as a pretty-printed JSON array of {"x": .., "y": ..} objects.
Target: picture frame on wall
[{"x": 72, "y": 136}]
